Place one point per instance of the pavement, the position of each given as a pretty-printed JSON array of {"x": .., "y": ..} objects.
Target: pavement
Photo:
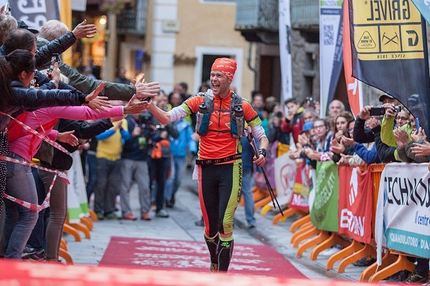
[{"x": 180, "y": 225}]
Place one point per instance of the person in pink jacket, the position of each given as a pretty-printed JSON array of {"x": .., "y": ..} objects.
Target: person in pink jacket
[{"x": 20, "y": 183}]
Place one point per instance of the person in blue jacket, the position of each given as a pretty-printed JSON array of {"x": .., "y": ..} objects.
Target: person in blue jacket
[{"x": 179, "y": 148}]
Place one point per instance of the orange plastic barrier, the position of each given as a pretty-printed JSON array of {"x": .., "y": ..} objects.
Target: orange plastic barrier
[{"x": 376, "y": 171}]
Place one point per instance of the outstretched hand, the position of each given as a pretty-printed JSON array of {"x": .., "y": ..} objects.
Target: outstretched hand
[
  {"x": 98, "y": 103},
  {"x": 84, "y": 30},
  {"x": 68, "y": 137},
  {"x": 135, "y": 106},
  {"x": 421, "y": 149},
  {"x": 144, "y": 90}
]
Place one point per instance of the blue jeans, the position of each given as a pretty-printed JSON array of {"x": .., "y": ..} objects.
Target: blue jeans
[
  {"x": 37, "y": 239},
  {"x": 173, "y": 183},
  {"x": 247, "y": 196},
  {"x": 92, "y": 173},
  {"x": 19, "y": 221}
]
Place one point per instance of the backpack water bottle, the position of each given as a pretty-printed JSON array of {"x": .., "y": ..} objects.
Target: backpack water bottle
[
  {"x": 237, "y": 122},
  {"x": 202, "y": 120}
]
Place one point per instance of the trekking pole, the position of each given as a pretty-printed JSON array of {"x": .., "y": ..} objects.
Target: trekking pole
[{"x": 251, "y": 141}]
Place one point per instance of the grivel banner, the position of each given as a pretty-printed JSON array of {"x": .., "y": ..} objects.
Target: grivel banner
[{"x": 389, "y": 51}]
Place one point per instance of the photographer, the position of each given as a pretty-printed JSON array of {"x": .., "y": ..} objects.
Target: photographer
[
  {"x": 134, "y": 164},
  {"x": 161, "y": 156},
  {"x": 395, "y": 116},
  {"x": 276, "y": 134}
]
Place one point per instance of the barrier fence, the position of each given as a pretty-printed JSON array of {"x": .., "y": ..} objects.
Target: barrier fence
[{"x": 379, "y": 210}]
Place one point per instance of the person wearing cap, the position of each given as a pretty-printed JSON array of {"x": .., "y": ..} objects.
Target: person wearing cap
[
  {"x": 387, "y": 98},
  {"x": 219, "y": 163},
  {"x": 23, "y": 25},
  {"x": 304, "y": 139}
]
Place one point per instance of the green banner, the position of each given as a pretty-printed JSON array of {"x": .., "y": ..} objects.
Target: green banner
[{"x": 324, "y": 214}]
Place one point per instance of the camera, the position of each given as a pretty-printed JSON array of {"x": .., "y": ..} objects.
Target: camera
[
  {"x": 377, "y": 111},
  {"x": 311, "y": 102},
  {"x": 279, "y": 114},
  {"x": 6, "y": 8},
  {"x": 145, "y": 118},
  {"x": 397, "y": 108},
  {"x": 54, "y": 59}
]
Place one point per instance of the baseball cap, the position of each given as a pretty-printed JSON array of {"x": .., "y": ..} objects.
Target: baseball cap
[
  {"x": 307, "y": 126},
  {"x": 23, "y": 25},
  {"x": 382, "y": 96},
  {"x": 413, "y": 99}
]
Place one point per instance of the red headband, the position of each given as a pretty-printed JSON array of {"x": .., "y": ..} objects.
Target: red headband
[{"x": 226, "y": 66}]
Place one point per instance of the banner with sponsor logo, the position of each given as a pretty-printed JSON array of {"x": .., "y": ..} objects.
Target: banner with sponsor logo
[
  {"x": 402, "y": 214},
  {"x": 35, "y": 13},
  {"x": 285, "y": 174},
  {"x": 285, "y": 49},
  {"x": 330, "y": 25},
  {"x": 302, "y": 187},
  {"x": 389, "y": 52},
  {"x": 324, "y": 214},
  {"x": 355, "y": 203},
  {"x": 353, "y": 85}
]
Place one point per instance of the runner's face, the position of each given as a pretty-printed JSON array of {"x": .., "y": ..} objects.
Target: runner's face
[{"x": 220, "y": 83}]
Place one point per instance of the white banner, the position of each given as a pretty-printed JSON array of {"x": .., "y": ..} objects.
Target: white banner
[
  {"x": 77, "y": 202},
  {"x": 402, "y": 214},
  {"x": 330, "y": 14},
  {"x": 285, "y": 49},
  {"x": 285, "y": 176}
]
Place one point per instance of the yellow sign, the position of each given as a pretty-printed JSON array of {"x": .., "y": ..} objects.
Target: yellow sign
[{"x": 387, "y": 30}]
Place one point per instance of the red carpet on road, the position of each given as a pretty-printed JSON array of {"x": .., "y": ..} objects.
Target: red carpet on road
[{"x": 247, "y": 259}]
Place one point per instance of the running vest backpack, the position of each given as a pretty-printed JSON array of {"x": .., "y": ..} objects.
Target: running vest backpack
[{"x": 206, "y": 108}]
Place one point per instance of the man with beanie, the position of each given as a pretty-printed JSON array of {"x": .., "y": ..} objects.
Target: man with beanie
[{"x": 220, "y": 121}]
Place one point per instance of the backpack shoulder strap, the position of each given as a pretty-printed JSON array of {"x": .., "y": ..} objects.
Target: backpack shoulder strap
[
  {"x": 236, "y": 100},
  {"x": 209, "y": 100}
]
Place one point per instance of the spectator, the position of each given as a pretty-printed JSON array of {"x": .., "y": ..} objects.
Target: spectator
[
  {"x": 294, "y": 119},
  {"x": 120, "y": 76},
  {"x": 134, "y": 161},
  {"x": 160, "y": 163},
  {"x": 108, "y": 154},
  {"x": 247, "y": 165},
  {"x": 179, "y": 147},
  {"x": 334, "y": 109}
]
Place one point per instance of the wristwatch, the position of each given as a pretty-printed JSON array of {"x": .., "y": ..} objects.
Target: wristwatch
[{"x": 263, "y": 152}]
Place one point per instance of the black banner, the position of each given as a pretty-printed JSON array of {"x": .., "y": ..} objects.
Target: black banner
[{"x": 389, "y": 52}]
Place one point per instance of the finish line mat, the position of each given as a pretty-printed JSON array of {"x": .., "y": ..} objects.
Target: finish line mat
[{"x": 248, "y": 259}]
